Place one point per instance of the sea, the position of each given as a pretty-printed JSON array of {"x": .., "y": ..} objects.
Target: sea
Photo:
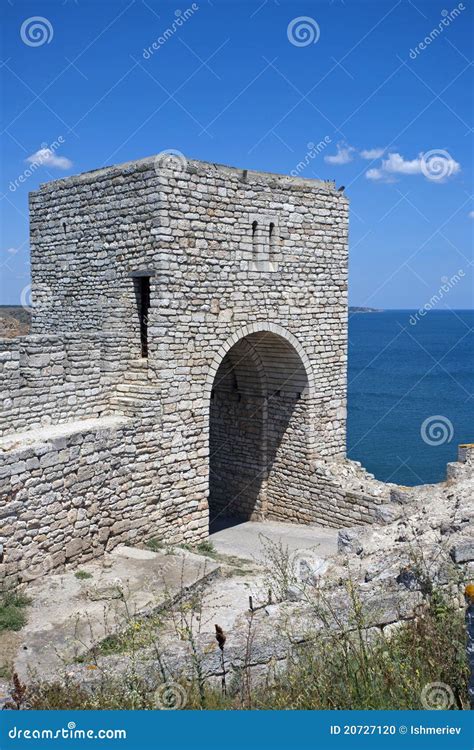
[{"x": 410, "y": 392}]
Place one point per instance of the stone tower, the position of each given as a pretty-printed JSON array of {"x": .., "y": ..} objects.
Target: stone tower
[{"x": 187, "y": 357}]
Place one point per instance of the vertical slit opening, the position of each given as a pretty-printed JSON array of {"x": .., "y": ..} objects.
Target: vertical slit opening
[
  {"x": 271, "y": 237},
  {"x": 142, "y": 291},
  {"x": 254, "y": 237}
]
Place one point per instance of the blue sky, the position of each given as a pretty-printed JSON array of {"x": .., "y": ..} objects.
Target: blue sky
[{"x": 248, "y": 84}]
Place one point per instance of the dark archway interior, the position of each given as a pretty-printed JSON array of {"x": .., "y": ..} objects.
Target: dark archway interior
[{"x": 258, "y": 430}]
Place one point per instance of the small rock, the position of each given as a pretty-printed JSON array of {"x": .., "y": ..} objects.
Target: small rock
[
  {"x": 445, "y": 527},
  {"x": 409, "y": 579},
  {"x": 463, "y": 551},
  {"x": 444, "y": 574},
  {"x": 349, "y": 540},
  {"x": 400, "y": 495},
  {"x": 309, "y": 568},
  {"x": 387, "y": 513},
  {"x": 106, "y": 593},
  {"x": 294, "y": 594}
]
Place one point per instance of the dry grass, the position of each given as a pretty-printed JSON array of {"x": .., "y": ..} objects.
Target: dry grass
[{"x": 337, "y": 671}]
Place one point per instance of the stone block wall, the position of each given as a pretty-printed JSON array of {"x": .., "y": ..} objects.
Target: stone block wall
[
  {"x": 73, "y": 491},
  {"x": 48, "y": 379},
  {"x": 207, "y": 252},
  {"x": 237, "y": 462}
]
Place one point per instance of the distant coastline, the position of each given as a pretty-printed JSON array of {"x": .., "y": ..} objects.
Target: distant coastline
[
  {"x": 14, "y": 321},
  {"x": 364, "y": 310}
]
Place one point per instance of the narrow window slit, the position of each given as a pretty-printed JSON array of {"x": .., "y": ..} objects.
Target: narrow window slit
[
  {"x": 254, "y": 239},
  {"x": 142, "y": 289}
]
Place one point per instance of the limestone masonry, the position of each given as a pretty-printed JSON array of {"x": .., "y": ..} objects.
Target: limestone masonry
[{"x": 187, "y": 360}]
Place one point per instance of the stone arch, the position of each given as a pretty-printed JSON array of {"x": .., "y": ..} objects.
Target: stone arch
[
  {"x": 251, "y": 352},
  {"x": 259, "y": 328},
  {"x": 260, "y": 388}
]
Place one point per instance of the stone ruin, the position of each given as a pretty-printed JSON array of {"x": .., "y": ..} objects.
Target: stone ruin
[{"x": 186, "y": 361}]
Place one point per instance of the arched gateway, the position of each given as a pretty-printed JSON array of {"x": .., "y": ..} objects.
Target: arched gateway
[{"x": 260, "y": 425}]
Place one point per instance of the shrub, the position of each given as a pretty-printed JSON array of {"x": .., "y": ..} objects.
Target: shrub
[
  {"x": 155, "y": 545},
  {"x": 82, "y": 575},
  {"x": 206, "y": 548},
  {"x": 12, "y": 611},
  {"x": 345, "y": 671}
]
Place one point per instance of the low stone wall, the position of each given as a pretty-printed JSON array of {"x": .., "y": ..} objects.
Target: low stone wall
[
  {"x": 72, "y": 491},
  {"x": 334, "y": 493}
]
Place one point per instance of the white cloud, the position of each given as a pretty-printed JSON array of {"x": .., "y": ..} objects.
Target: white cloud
[
  {"x": 46, "y": 157},
  {"x": 344, "y": 154},
  {"x": 372, "y": 153},
  {"x": 374, "y": 174},
  {"x": 471, "y": 214},
  {"x": 433, "y": 165},
  {"x": 396, "y": 164}
]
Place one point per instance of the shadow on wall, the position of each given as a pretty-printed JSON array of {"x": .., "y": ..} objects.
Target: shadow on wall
[{"x": 259, "y": 430}]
